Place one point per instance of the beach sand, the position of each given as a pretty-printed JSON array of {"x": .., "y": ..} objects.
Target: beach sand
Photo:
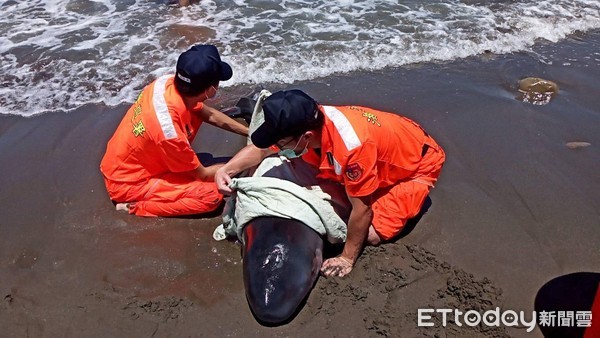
[{"x": 514, "y": 208}]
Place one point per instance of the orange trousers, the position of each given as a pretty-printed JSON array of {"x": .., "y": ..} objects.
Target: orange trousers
[
  {"x": 173, "y": 194},
  {"x": 393, "y": 206}
]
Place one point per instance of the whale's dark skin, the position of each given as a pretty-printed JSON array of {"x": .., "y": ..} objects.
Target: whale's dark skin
[{"x": 281, "y": 262}]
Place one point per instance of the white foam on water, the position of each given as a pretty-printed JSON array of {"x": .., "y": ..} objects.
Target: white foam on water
[{"x": 61, "y": 54}]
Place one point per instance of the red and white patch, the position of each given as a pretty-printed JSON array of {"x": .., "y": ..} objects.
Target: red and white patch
[{"x": 354, "y": 172}]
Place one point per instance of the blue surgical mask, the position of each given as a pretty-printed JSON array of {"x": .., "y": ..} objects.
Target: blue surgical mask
[{"x": 291, "y": 153}]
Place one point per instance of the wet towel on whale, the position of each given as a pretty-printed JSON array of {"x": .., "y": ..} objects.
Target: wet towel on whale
[{"x": 293, "y": 192}]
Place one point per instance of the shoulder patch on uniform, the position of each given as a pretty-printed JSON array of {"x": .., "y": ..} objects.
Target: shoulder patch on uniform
[
  {"x": 354, "y": 171},
  {"x": 371, "y": 118}
]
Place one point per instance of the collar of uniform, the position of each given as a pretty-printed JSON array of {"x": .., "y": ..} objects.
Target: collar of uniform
[
  {"x": 170, "y": 86},
  {"x": 179, "y": 111},
  {"x": 198, "y": 107}
]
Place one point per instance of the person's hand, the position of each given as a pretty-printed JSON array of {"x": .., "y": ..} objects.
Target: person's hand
[
  {"x": 337, "y": 266},
  {"x": 222, "y": 179}
]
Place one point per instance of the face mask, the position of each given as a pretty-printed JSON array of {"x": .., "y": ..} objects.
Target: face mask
[
  {"x": 209, "y": 89},
  {"x": 291, "y": 153}
]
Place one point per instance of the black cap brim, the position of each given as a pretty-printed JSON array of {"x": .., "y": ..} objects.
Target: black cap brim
[
  {"x": 226, "y": 71},
  {"x": 263, "y": 137}
]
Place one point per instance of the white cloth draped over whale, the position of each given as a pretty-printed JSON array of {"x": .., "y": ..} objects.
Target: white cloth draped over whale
[{"x": 288, "y": 189}]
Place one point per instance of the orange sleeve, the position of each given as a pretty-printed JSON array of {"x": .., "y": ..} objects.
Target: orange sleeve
[
  {"x": 360, "y": 171},
  {"x": 178, "y": 154},
  {"x": 196, "y": 122}
]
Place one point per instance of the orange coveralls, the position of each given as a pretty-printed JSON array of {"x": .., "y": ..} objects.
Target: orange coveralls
[
  {"x": 380, "y": 154},
  {"x": 149, "y": 161}
]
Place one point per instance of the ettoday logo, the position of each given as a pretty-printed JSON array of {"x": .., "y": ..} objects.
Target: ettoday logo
[{"x": 508, "y": 318}]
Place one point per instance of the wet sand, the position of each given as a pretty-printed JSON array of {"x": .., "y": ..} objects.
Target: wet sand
[{"x": 514, "y": 208}]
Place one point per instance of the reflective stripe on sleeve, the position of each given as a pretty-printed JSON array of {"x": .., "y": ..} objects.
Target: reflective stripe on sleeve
[
  {"x": 343, "y": 126},
  {"x": 161, "y": 110}
]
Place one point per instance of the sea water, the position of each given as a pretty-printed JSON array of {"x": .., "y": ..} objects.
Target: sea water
[{"x": 61, "y": 54}]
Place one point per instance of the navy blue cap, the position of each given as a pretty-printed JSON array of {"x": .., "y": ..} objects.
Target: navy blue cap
[
  {"x": 201, "y": 64},
  {"x": 287, "y": 113}
]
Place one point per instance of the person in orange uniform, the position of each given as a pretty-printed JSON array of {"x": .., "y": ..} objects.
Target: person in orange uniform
[
  {"x": 149, "y": 167},
  {"x": 386, "y": 162}
]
